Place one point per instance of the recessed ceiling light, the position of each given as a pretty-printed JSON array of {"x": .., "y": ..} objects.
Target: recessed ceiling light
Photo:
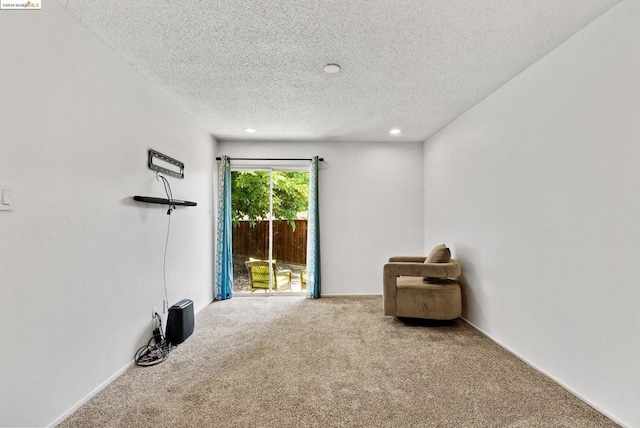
[
  {"x": 332, "y": 68},
  {"x": 395, "y": 131},
  {"x": 249, "y": 130}
]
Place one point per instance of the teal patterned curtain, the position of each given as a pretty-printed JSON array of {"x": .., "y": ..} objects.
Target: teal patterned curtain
[
  {"x": 224, "y": 263},
  {"x": 313, "y": 235}
]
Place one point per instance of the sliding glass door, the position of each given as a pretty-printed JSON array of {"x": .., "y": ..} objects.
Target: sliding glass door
[{"x": 269, "y": 208}]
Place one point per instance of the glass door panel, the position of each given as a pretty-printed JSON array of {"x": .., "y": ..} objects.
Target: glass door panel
[
  {"x": 290, "y": 202},
  {"x": 250, "y": 202}
]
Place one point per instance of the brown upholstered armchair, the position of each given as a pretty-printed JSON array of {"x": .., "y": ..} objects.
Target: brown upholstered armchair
[{"x": 415, "y": 288}]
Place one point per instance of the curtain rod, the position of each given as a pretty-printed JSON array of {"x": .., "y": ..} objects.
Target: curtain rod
[{"x": 272, "y": 159}]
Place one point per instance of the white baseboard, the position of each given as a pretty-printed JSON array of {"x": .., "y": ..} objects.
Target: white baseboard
[
  {"x": 536, "y": 368},
  {"x": 90, "y": 395},
  {"x": 303, "y": 294},
  {"x": 352, "y": 295}
]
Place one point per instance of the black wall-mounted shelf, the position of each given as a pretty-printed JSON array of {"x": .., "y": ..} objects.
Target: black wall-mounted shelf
[{"x": 164, "y": 201}]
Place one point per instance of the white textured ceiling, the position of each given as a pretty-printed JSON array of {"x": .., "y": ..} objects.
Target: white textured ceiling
[{"x": 411, "y": 64}]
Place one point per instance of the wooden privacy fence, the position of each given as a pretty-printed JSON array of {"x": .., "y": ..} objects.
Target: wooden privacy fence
[{"x": 289, "y": 246}]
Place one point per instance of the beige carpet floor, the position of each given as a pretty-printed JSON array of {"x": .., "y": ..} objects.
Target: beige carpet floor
[{"x": 332, "y": 362}]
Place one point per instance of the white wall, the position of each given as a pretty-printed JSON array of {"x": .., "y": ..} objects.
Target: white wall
[
  {"x": 537, "y": 191},
  {"x": 371, "y": 205},
  {"x": 80, "y": 262}
]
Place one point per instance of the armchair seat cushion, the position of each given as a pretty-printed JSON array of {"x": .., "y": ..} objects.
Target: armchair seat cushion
[{"x": 418, "y": 299}]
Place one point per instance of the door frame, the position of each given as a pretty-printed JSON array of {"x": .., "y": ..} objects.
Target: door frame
[{"x": 270, "y": 167}]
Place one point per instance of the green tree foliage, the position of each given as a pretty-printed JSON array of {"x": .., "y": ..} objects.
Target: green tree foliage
[{"x": 250, "y": 195}]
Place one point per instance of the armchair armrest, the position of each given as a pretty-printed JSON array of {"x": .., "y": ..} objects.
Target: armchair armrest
[
  {"x": 408, "y": 259},
  {"x": 286, "y": 272},
  {"x": 451, "y": 269}
]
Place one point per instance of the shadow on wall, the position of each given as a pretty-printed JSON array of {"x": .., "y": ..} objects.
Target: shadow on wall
[{"x": 469, "y": 301}]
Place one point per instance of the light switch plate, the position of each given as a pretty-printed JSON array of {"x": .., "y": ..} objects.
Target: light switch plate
[{"x": 6, "y": 198}]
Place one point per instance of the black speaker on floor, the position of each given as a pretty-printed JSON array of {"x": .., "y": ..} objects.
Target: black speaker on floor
[{"x": 180, "y": 322}]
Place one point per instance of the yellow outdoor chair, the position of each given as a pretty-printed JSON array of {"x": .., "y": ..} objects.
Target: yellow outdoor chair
[{"x": 259, "y": 275}]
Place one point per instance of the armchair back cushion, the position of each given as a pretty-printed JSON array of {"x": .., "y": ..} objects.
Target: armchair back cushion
[{"x": 440, "y": 254}]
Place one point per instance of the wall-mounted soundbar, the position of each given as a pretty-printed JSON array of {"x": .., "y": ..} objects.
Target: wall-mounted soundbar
[{"x": 164, "y": 201}]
